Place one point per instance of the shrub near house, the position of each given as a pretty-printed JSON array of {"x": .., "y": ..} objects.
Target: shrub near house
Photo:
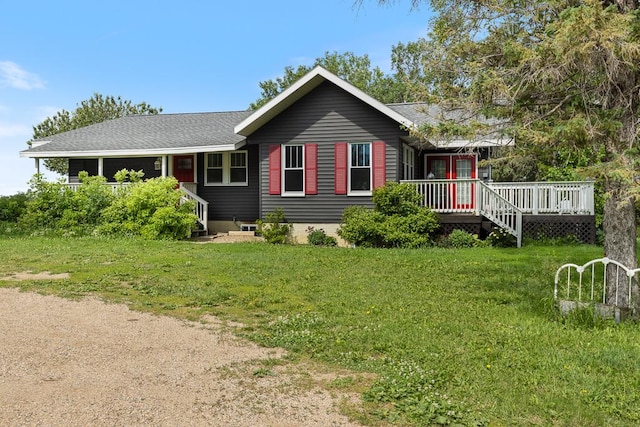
[
  {"x": 151, "y": 209},
  {"x": 397, "y": 220}
]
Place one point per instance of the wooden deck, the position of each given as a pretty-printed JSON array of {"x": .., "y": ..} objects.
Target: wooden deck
[{"x": 532, "y": 208}]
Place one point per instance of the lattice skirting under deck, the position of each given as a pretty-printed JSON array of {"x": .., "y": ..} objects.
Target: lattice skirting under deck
[{"x": 583, "y": 227}]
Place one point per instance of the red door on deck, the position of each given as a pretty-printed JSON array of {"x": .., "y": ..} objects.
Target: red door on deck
[
  {"x": 464, "y": 167},
  {"x": 454, "y": 195},
  {"x": 183, "y": 168}
]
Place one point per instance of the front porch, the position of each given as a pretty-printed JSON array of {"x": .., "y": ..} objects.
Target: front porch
[{"x": 531, "y": 208}]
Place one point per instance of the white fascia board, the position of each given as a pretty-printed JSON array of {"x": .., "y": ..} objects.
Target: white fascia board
[
  {"x": 301, "y": 88},
  {"x": 463, "y": 143},
  {"x": 134, "y": 153}
]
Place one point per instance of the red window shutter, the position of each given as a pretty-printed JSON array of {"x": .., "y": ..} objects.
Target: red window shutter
[
  {"x": 311, "y": 169},
  {"x": 379, "y": 164},
  {"x": 341, "y": 168},
  {"x": 274, "y": 169}
]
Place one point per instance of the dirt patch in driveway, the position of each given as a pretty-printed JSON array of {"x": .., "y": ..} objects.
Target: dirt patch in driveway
[{"x": 75, "y": 363}]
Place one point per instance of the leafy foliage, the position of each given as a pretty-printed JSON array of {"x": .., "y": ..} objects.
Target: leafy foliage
[
  {"x": 396, "y": 221},
  {"x": 460, "y": 239},
  {"x": 94, "y": 110},
  {"x": 561, "y": 78},
  {"x": 12, "y": 207},
  {"x": 356, "y": 70},
  {"x": 152, "y": 209},
  {"x": 318, "y": 237},
  {"x": 55, "y": 207},
  {"x": 274, "y": 228},
  {"x": 501, "y": 238}
]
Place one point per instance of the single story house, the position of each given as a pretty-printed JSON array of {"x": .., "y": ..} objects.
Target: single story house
[{"x": 319, "y": 146}]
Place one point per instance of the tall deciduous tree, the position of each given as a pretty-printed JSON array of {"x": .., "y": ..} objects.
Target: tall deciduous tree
[
  {"x": 564, "y": 75},
  {"x": 94, "y": 110},
  {"x": 357, "y": 70}
]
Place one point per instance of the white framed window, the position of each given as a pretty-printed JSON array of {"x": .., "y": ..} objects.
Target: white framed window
[
  {"x": 293, "y": 170},
  {"x": 226, "y": 168},
  {"x": 408, "y": 162},
  {"x": 360, "y": 171}
]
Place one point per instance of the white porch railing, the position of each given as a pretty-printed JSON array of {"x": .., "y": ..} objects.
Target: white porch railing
[
  {"x": 447, "y": 195},
  {"x": 114, "y": 185},
  {"x": 548, "y": 197},
  {"x": 202, "y": 206},
  {"x": 459, "y": 195}
]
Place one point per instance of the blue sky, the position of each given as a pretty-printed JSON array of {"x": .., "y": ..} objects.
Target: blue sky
[{"x": 185, "y": 56}]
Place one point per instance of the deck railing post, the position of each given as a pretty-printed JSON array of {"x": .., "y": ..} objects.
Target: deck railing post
[
  {"x": 477, "y": 187},
  {"x": 536, "y": 197}
]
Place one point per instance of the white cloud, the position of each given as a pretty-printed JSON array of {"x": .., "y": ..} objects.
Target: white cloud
[{"x": 11, "y": 75}]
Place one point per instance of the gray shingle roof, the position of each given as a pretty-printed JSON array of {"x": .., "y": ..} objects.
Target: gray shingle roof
[
  {"x": 148, "y": 132},
  {"x": 182, "y": 133}
]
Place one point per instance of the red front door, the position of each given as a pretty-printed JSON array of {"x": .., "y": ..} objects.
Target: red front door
[{"x": 183, "y": 168}]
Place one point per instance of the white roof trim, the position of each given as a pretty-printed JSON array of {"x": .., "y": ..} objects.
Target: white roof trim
[
  {"x": 133, "y": 153},
  {"x": 300, "y": 88},
  {"x": 463, "y": 143}
]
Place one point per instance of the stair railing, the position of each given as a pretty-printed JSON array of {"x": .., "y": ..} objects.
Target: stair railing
[{"x": 499, "y": 210}]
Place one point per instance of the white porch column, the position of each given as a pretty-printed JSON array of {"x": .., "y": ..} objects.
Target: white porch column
[
  {"x": 100, "y": 166},
  {"x": 164, "y": 166},
  {"x": 37, "y": 165}
]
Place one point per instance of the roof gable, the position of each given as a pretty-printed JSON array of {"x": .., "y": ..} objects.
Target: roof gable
[{"x": 301, "y": 88}]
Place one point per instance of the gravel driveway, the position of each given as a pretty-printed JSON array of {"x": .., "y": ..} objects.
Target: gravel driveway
[{"x": 79, "y": 363}]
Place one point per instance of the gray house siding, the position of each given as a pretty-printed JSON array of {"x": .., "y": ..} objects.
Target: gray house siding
[
  {"x": 229, "y": 202},
  {"x": 325, "y": 116}
]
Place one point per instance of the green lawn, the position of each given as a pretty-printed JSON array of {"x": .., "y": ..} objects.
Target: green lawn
[{"x": 453, "y": 336}]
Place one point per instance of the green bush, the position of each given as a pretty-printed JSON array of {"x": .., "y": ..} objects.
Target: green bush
[
  {"x": 320, "y": 238},
  {"x": 152, "y": 209},
  {"x": 46, "y": 205},
  {"x": 461, "y": 239},
  {"x": 396, "y": 199},
  {"x": 501, "y": 238},
  {"x": 54, "y": 206},
  {"x": 274, "y": 228},
  {"x": 12, "y": 207},
  {"x": 397, "y": 220}
]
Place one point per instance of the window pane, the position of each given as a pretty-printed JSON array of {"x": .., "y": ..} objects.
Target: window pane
[
  {"x": 361, "y": 179},
  {"x": 463, "y": 168},
  {"x": 214, "y": 175},
  {"x": 439, "y": 168},
  {"x": 293, "y": 156},
  {"x": 238, "y": 175},
  {"x": 360, "y": 155},
  {"x": 293, "y": 180},
  {"x": 214, "y": 160},
  {"x": 238, "y": 159}
]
